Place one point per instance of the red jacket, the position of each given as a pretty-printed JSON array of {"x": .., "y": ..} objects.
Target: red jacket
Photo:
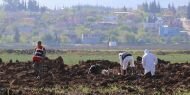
[{"x": 39, "y": 54}]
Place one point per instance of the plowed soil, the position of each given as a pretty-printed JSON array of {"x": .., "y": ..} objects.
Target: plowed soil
[{"x": 15, "y": 77}]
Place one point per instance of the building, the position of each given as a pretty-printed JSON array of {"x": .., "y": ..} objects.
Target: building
[
  {"x": 112, "y": 44},
  {"x": 153, "y": 23},
  {"x": 172, "y": 21},
  {"x": 186, "y": 24},
  {"x": 103, "y": 25},
  {"x": 167, "y": 31},
  {"x": 91, "y": 38}
]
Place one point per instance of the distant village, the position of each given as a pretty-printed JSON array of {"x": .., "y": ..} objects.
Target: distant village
[{"x": 95, "y": 25}]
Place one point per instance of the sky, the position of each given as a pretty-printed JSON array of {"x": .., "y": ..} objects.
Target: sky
[{"x": 109, "y": 3}]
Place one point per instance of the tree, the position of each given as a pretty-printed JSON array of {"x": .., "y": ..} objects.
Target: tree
[
  {"x": 172, "y": 8},
  {"x": 2, "y": 16},
  {"x": 158, "y": 8},
  {"x": 48, "y": 38},
  {"x": 145, "y": 7},
  {"x": 153, "y": 7},
  {"x": 81, "y": 30},
  {"x": 91, "y": 19},
  {"x": 64, "y": 38},
  {"x": 43, "y": 9},
  {"x": 19, "y": 5},
  {"x": 22, "y": 5},
  {"x": 176, "y": 39},
  {"x": 11, "y": 5},
  {"x": 24, "y": 39},
  {"x": 7, "y": 39},
  {"x": 124, "y": 9},
  {"x": 112, "y": 35},
  {"x": 130, "y": 38},
  {"x": 16, "y": 36},
  {"x": 169, "y": 6},
  {"x": 57, "y": 38},
  {"x": 33, "y": 6},
  {"x": 188, "y": 11}
]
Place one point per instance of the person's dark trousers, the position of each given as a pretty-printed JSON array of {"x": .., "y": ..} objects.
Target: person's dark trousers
[
  {"x": 148, "y": 75},
  {"x": 37, "y": 68}
]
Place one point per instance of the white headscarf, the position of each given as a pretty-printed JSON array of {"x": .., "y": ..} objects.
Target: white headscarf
[
  {"x": 120, "y": 54},
  {"x": 146, "y": 51}
]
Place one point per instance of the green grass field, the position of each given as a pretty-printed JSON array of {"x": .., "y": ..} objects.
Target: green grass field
[{"x": 74, "y": 57}]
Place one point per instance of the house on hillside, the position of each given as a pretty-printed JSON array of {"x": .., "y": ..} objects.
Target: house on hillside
[
  {"x": 168, "y": 12},
  {"x": 111, "y": 19},
  {"x": 185, "y": 24},
  {"x": 172, "y": 21},
  {"x": 112, "y": 44},
  {"x": 130, "y": 18},
  {"x": 153, "y": 23},
  {"x": 106, "y": 23},
  {"x": 168, "y": 31},
  {"x": 103, "y": 25},
  {"x": 166, "y": 25},
  {"x": 27, "y": 21},
  {"x": 91, "y": 38},
  {"x": 70, "y": 20},
  {"x": 188, "y": 33}
]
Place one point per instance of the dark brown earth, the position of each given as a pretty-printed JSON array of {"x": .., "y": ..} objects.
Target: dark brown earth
[{"x": 14, "y": 77}]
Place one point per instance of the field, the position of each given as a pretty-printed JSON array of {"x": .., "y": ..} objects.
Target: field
[
  {"x": 71, "y": 78},
  {"x": 73, "y": 57}
]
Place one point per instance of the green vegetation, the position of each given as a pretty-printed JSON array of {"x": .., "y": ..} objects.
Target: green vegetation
[
  {"x": 66, "y": 25},
  {"x": 82, "y": 89},
  {"x": 111, "y": 89},
  {"x": 75, "y": 57},
  {"x": 188, "y": 12}
]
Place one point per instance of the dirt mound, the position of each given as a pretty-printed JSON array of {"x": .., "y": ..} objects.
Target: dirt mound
[{"x": 169, "y": 77}]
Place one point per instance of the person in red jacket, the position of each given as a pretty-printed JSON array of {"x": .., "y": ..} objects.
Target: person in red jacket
[{"x": 39, "y": 55}]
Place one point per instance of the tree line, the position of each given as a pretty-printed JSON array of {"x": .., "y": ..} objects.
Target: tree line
[
  {"x": 154, "y": 7},
  {"x": 60, "y": 27},
  {"x": 188, "y": 11},
  {"x": 22, "y": 5}
]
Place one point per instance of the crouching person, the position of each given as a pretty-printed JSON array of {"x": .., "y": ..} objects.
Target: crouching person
[
  {"x": 126, "y": 58},
  {"x": 95, "y": 69},
  {"x": 149, "y": 61}
]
